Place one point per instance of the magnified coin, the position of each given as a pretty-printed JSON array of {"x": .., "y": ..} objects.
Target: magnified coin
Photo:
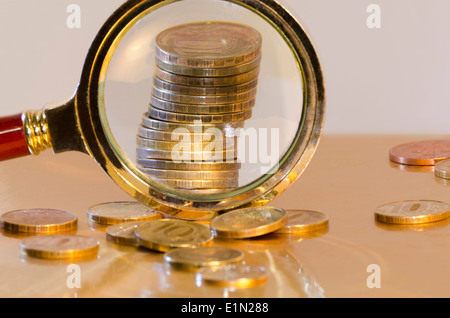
[
  {"x": 421, "y": 153},
  {"x": 202, "y": 109},
  {"x": 228, "y": 129},
  {"x": 442, "y": 169},
  {"x": 123, "y": 233},
  {"x": 233, "y": 275},
  {"x": 60, "y": 247},
  {"x": 248, "y": 222},
  {"x": 205, "y": 91},
  {"x": 192, "y": 118},
  {"x": 303, "y": 221},
  {"x": 195, "y": 166},
  {"x": 122, "y": 211},
  {"x": 412, "y": 212},
  {"x": 210, "y": 256},
  {"x": 208, "y": 44},
  {"x": 166, "y": 234},
  {"x": 207, "y": 81},
  {"x": 39, "y": 221}
]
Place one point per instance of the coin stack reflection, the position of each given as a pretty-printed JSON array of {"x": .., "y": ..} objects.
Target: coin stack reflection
[{"x": 204, "y": 89}]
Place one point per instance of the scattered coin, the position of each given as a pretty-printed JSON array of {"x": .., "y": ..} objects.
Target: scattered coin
[
  {"x": 412, "y": 212},
  {"x": 421, "y": 153},
  {"x": 60, "y": 246},
  {"x": 303, "y": 221},
  {"x": 442, "y": 169},
  {"x": 233, "y": 275},
  {"x": 119, "y": 212},
  {"x": 204, "y": 256},
  {"x": 39, "y": 221},
  {"x": 166, "y": 234},
  {"x": 248, "y": 222},
  {"x": 123, "y": 233}
]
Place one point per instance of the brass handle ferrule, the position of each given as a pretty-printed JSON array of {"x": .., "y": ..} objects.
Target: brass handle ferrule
[{"x": 36, "y": 131}]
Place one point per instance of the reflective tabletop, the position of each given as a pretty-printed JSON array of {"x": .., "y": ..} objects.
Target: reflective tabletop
[{"x": 356, "y": 257}]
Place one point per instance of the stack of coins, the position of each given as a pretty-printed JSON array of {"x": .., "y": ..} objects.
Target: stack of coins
[{"x": 204, "y": 89}]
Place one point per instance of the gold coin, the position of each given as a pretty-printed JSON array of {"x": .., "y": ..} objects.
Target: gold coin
[
  {"x": 207, "y": 119},
  {"x": 208, "y": 72},
  {"x": 192, "y": 145},
  {"x": 119, "y": 212},
  {"x": 302, "y": 221},
  {"x": 205, "y": 137},
  {"x": 39, "y": 221},
  {"x": 248, "y": 222},
  {"x": 233, "y": 275},
  {"x": 194, "y": 166},
  {"x": 208, "y": 44},
  {"x": 227, "y": 128},
  {"x": 166, "y": 234},
  {"x": 199, "y": 184},
  {"x": 203, "y": 99},
  {"x": 123, "y": 233},
  {"x": 209, "y": 109},
  {"x": 204, "y": 91},
  {"x": 207, "y": 81},
  {"x": 191, "y": 175},
  {"x": 442, "y": 169},
  {"x": 412, "y": 212},
  {"x": 182, "y": 155},
  {"x": 59, "y": 247},
  {"x": 204, "y": 256}
]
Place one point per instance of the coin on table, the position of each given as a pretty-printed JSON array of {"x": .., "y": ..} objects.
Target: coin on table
[
  {"x": 412, "y": 212},
  {"x": 207, "y": 81},
  {"x": 442, "y": 169},
  {"x": 60, "y": 246},
  {"x": 204, "y": 256},
  {"x": 421, "y": 153},
  {"x": 233, "y": 275},
  {"x": 208, "y": 44},
  {"x": 39, "y": 221},
  {"x": 166, "y": 234},
  {"x": 303, "y": 221},
  {"x": 248, "y": 222},
  {"x": 121, "y": 211},
  {"x": 123, "y": 233}
]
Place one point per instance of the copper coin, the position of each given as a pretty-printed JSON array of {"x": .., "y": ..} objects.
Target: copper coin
[
  {"x": 421, "y": 153},
  {"x": 39, "y": 221},
  {"x": 60, "y": 247}
]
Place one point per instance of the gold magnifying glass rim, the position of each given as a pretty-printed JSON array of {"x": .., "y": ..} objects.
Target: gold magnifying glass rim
[{"x": 101, "y": 145}]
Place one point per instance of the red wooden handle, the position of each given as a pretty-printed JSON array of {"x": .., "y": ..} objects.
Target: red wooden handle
[{"x": 13, "y": 142}]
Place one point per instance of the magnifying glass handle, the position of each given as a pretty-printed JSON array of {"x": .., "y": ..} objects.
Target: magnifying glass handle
[{"x": 23, "y": 134}]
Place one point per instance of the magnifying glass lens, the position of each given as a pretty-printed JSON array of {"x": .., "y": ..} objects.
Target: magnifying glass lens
[{"x": 208, "y": 105}]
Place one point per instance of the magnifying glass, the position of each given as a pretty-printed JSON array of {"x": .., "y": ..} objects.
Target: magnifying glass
[{"x": 117, "y": 117}]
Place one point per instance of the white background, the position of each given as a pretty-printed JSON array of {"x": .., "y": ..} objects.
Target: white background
[{"x": 392, "y": 80}]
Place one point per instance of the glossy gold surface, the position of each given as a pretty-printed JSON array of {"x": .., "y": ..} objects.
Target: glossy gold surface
[{"x": 347, "y": 179}]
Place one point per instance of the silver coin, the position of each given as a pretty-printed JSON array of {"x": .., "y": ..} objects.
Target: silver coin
[
  {"x": 191, "y": 175},
  {"x": 195, "y": 166},
  {"x": 202, "y": 109}
]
